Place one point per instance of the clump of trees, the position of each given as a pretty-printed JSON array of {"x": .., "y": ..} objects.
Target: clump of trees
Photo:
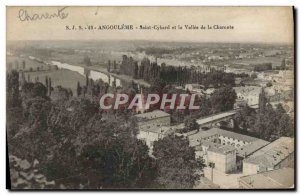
[
  {"x": 79, "y": 147},
  {"x": 262, "y": 67},
  {"x": 190, "y": 124},
  {"x": 87, "y": 61},
  {"x": 267, "y": 123},
  {"x": 223, "y": 99},
  {"x": 12, "y": 89},
  {"x": 176, "y": 163},
  {"x": 152, "y": 72}
]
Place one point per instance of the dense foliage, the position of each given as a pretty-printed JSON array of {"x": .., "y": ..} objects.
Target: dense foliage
[
  {"x": 79, "y": 147},
  {"x": 180, "y": 75},
  {"x": 267, "y": 123}
]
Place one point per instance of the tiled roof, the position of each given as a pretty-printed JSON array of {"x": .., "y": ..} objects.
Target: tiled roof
[
  {"x": 162, "y": 130},
  {"x": 253, "y": 145},
  {"x": 221, "y": 132},
  {"x": 273, "y": 153},
  {"x": 222, "y": 149},
  {"x": 215, "y": 117},
  {"x": 152, "y": 115},
  {"x": 248, "y": 90},
  {"x": 280, "y": 178},
  {"x": 248, "y": 149},
  {"x": 215, "y": 147}
]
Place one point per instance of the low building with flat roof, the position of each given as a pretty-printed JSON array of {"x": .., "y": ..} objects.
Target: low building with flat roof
[
  {"x": 213, "y": 120},
  {"x": 153, "y": 126},
  {"x": 275, "y": 179},
  {"x": 248, "y": 93},
  {"x": 224, "y": 148},
  {"x": 275, "y": 155},
  {"x": 224, "y": 137},
  {"x": 223, "y": 156}
]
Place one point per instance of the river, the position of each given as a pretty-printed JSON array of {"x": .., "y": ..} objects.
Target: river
[{"x": 95, "y": 75}]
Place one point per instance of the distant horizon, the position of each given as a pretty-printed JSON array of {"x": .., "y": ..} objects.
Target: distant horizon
[
  {"x": 168, "y": 24},
  {"x": 161, "y": 41}
]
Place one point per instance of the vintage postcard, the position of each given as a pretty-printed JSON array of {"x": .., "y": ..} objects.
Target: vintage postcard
[{"x": 140, "y": 98}]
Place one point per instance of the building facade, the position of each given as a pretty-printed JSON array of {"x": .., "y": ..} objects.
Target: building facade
[
  {"x": 153, "y": 126},
  {"x": 225, "y": 149},
  {"x": 275, "y": 155},
  {"x": 275, "y": 179}
]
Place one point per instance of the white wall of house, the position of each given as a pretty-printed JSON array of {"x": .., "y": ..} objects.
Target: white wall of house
[
  {"x": 223, "y": 162},
  {"x": 231, "y": 141},
  {"x": 154, "y": 123},
  {"x": 249, "y": 168}
]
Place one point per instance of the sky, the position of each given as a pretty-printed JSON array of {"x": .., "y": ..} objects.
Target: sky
[{"x": 251, "y": 24}]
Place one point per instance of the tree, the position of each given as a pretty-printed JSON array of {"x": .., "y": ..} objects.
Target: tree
[
  {"x": 103, "y": 154},
  {"x": 87, "y": 61},
  {"x": 262, "y": 101},
  {"x": 86, "y": 80},
  {"x": 12, "y": 89},
  {"x": 118, "y": 163},
  {"x": 191, "y": 124},
  {"x": 176, "y": 163},
  {"x": 75, "y": 146},
  {"x": 205, "y": 106},
  {"x": 60, "y": 94},
  {"x": 280, "y": 110},
  {"x": 47, "y": 84},
  {"x": 253, "y": 75},
  {"x": 78, "y": 90},
  {"x": 285, "y": 123},
  {"x": 285, "y": 126},
  {"x": 108, "y": 66},
  {"x": 34, "y": 90},
  {"x": 37, "y": 109},
  {"x": 223, "y": 99},
  {"x": 273, "y": 123},
  {"x": 245, "y": 118},
  {"x": 16, "y": 64},
  {"x": 269, "y": 84},
  {"x": 23, "y": 64},
  {"x": 24, "y": 175},
  {"x": 283, "y": 64}
]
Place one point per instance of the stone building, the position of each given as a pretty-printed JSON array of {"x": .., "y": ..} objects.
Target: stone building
[
  {"x": 275, "y": 179},
  {"x": 249, "y": 94},
  {"x": 224, "y": 148},
  {"x": 275, "y": 155},
  {"x": 224, "y": 157},
  {"x": 153, "y": 126}
]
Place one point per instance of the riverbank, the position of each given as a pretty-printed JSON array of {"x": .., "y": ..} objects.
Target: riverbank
[
  {"x": 38, "y": 63},
  {"x": 122, "y": 77},
  {"x": 61, "y": 77}
]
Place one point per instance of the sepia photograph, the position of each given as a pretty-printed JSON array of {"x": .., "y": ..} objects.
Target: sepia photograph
[{"x": 150, "y": 98}]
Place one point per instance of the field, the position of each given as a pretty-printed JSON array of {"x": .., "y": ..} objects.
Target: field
[
  {"x": 14, "y": 60},
  {"x": 97, "y": 58},
  {"x": 62, "y": 77},
  {"x": 276, "y": 61}
]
